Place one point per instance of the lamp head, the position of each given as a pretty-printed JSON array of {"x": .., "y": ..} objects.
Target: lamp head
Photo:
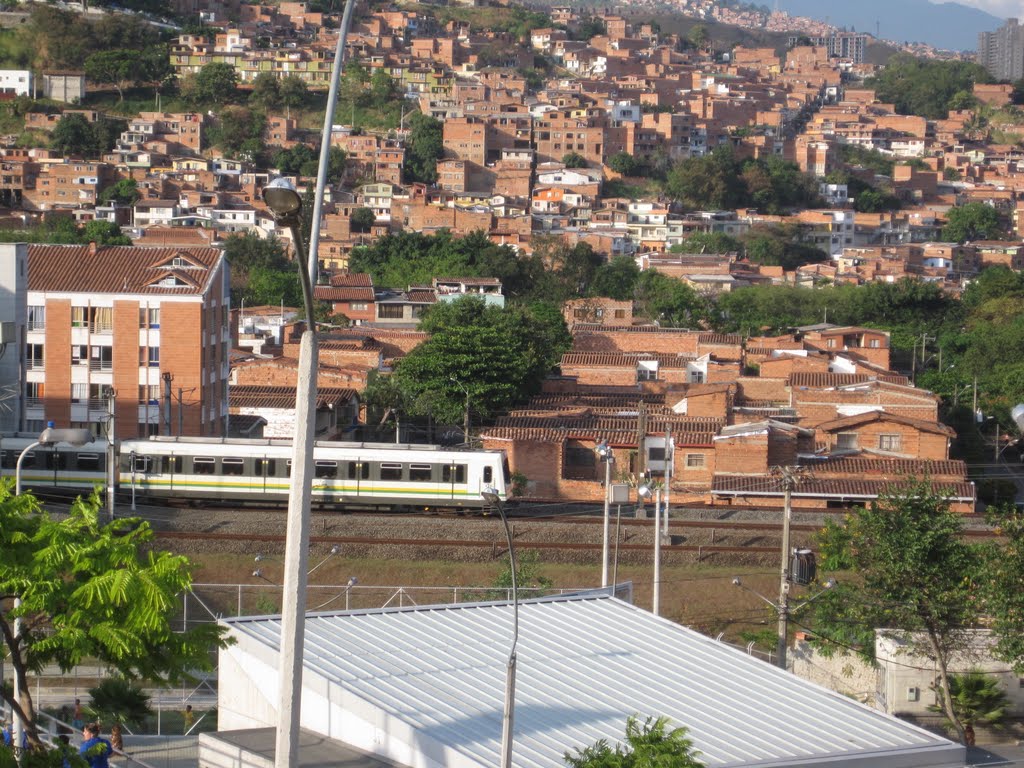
[
  {"x": 75, "y": 437},
  {"x": 282, "y": 199},
  {"x": 258, "y": 558},
  {"x": 352, "y": 581},
  {"x": 736, "y": 581},
  {"x": 831, "y": 583},
  {"x": 258, "y": 573},
  {"x": 644, "y": 491},
  {"x": 603, "y": 449},
  {"x": 490, "y": 495},
  {"x": 335, "y": 549}
]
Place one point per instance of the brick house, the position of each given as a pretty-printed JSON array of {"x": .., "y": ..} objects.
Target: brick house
[
  {"x": 886, "y": 434},
  {"x": 337, "y": 409},
  {"x": 125, "y": 317},
  {"x": 351, "y": 295}
]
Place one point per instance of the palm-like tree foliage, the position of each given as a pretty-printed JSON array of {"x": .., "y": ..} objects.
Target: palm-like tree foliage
[
  {"x": 115, "y": 700},
  {"x": 978, "y": 699}
]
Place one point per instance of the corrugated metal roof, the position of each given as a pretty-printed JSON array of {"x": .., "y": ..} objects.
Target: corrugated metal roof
[{"x": 585, "y": 664}]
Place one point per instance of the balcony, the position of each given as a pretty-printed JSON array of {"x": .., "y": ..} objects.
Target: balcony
[
  {"x": 34, "y": 402},
  {"x": 101, "y": 365},
  {"x": 36, "y": 325},
  {"x": 35, "y": 363}
]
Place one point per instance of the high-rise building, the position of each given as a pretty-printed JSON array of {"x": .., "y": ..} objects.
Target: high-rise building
[
  {"x": 841, "y": 45},
  {"x": 1002, "y": 52}
]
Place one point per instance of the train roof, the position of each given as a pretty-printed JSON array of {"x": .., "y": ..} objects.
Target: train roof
[{"x": 275, "y": 442}]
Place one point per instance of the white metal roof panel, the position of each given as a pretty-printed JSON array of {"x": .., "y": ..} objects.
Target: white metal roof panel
[{"x": 585, "y": 664}]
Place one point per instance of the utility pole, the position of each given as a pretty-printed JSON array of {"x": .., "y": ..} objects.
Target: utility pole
[
  {"x": 670, "y": 458},
  {"x": 657, "y": 552},
  {"x": 641, "y": 439},
  {"x": 167, "y": 379},
  {"x": 181, "y": 415},
  {"x": 789, "y": 478},
  {"x": 111, "y": 454}
]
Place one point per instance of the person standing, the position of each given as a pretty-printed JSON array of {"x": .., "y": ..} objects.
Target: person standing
[
  {"x": 116, "y": 737},
  {"x": 95, "y": 750},
  {"x": 189, "y": 716},
  {"x": 76, "y": 719}
]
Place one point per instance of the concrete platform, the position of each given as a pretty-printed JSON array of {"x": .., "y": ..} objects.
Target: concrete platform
[{"x": 254, "y": 748}]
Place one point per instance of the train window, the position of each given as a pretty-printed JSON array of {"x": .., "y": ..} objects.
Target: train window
[
  {"x": 288, "y": 468},
  {"x": 56, "y": 460},
  {"x": 359, "y": 470},
  {"x": 231, "y": 465},
  {"x": 5, "y": 459},
  {"x": 171, "y": 464},
  {"x": 420, "y": 472},
  {"x": 454, "y": 473},
  {"x": 390, "y": 471},
  {"x": 488, "y": 475},
  {"x": 326, "y": 469},
  {"x": 89, "y": 462},
  {"x": 266, "y": 467},
  {"x": 28, "y": 461},
  {"x": 204, "y": 465},
  {"x": 140, "y": 464}
]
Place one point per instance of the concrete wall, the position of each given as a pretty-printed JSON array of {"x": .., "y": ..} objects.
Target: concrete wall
[{"x": 13, "y": 287}]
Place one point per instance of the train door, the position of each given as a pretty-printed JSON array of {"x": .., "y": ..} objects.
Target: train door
[
  {"x": 266, "y": 474},
  {"x": 357, "y": 478},
  {"x": 453, "y": 478},
  {"x": 170, "y": 468}
]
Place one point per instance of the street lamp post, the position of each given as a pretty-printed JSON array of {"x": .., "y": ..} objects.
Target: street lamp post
[
  {"x": 285, "y": 204},
  {"x": 49, "y": 436},
  {"x": 605, "y": 452},
  {"x": 508, "y": 714},
  {"x": 645, "y": 491}
]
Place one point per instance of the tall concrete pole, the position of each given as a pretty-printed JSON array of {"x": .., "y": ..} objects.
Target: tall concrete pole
[
  {"x": 789, "y": 477},
  {"x": 656, "y": 602},
  {"x": 607, "y": 517}
]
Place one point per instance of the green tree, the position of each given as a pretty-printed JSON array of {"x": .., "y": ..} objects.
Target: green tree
[
  {"x": 293, "y": 91},
  {"x": 669, "y": 302},
  {"x": 647, "y": 745},
  {"x": 699, "y": 37},
  {"x": 294, "y": 160},
  {"x": 624, "y": 163},
  {"x": 616, "y": 280},
  {"x": 117, "y": 700},
  {"x": 124, "y": 191},
  {"x": 362, "y": 219},
  {"x": 926, "y": 87},
  {"x": 117, "y": 67},
  {"x": 528, "y": 576},
  {"x": 104, "y": 233},
  {"x": 499, "y": 355},
  {"x": 336, "y": 160},
  {"x": 708, "y": 242},
  {"x": 972, "y": 221},
  {"x": 215, "y": 83},
  {"x": 89, "y": 590},
  {"x": 239, "y": 132},
  {"x": 978, "y": 699},
  {"x": 1004, "y": 599},
  {"x": 266, "y": 91},
  {"x": 915, "y": 576},
  {"x": 574, "y": 160},
  {"x": 73, "y": 135},
  {"x": 423, "y": 148},
  {"x": 709, "y": 182},
  {"x": 249, "y": 252},
  {"x": 383, "y": 88}
]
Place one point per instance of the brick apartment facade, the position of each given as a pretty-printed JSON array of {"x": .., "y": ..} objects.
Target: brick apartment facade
[{"x": 124, "y": 318}]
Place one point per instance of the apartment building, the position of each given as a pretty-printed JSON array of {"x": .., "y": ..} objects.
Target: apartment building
[
  {"x": 151, "y": 324},
  {"x": 1002, "y": 52},
  {"x": 68, "y": 185}
]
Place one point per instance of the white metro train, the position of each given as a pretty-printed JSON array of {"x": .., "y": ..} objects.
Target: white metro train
[{"x": 356, "y": 475}]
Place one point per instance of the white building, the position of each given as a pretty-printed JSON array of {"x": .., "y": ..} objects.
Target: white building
[
  {"x": 16, "y": 81},
  {"x": 424, "y": 686}
]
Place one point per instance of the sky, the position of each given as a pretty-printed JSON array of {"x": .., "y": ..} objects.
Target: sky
[{"x": 1004, "y": 9}]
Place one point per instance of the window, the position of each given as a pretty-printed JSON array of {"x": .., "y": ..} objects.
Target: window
[
  {"x": 326, "y": 469},
  {"x": 391, "y": 311},
  {"x": 149, "y": 317},
  {"x": 79, "y": 393},
  {"x": 149, "y": 394},
  {"x": 140, "y": 464},
  {"x": 620, "y": 314},
  {"x": 358, "y": 470},
  {"x": 390, "y": 471},
  {"x": 846, "y": 441},
  {"x": 420, "y": 473},
  {"x": 34, "y": 356},
  {"x": 56, "y": 460},
  {"x": 890, "y": 442},
  {"x": 874, "y": 343},
  {"x": 232, "y": 465},
  {"x": 34, "y": 393},
  {"x": 646, "y": 374},
  {"x": 453, "y": 473},
  {"x": 358, "y": 306},
  {"x": 655, "y": 454},
  {"x": 101, "y": 358},
  {"x": 36, "y": 318},
  {"x": 204, "y": 465},
  {"x": 89, "y": 462},
  {"x": 171, "y": 464},
  {"x": 79, "y": 354},
  {"x": 266, "y": 467},
  {"x": 149, "y": 356},
  {"x": 694, "y": 460},
  {"x": 488, "y": 475}
]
